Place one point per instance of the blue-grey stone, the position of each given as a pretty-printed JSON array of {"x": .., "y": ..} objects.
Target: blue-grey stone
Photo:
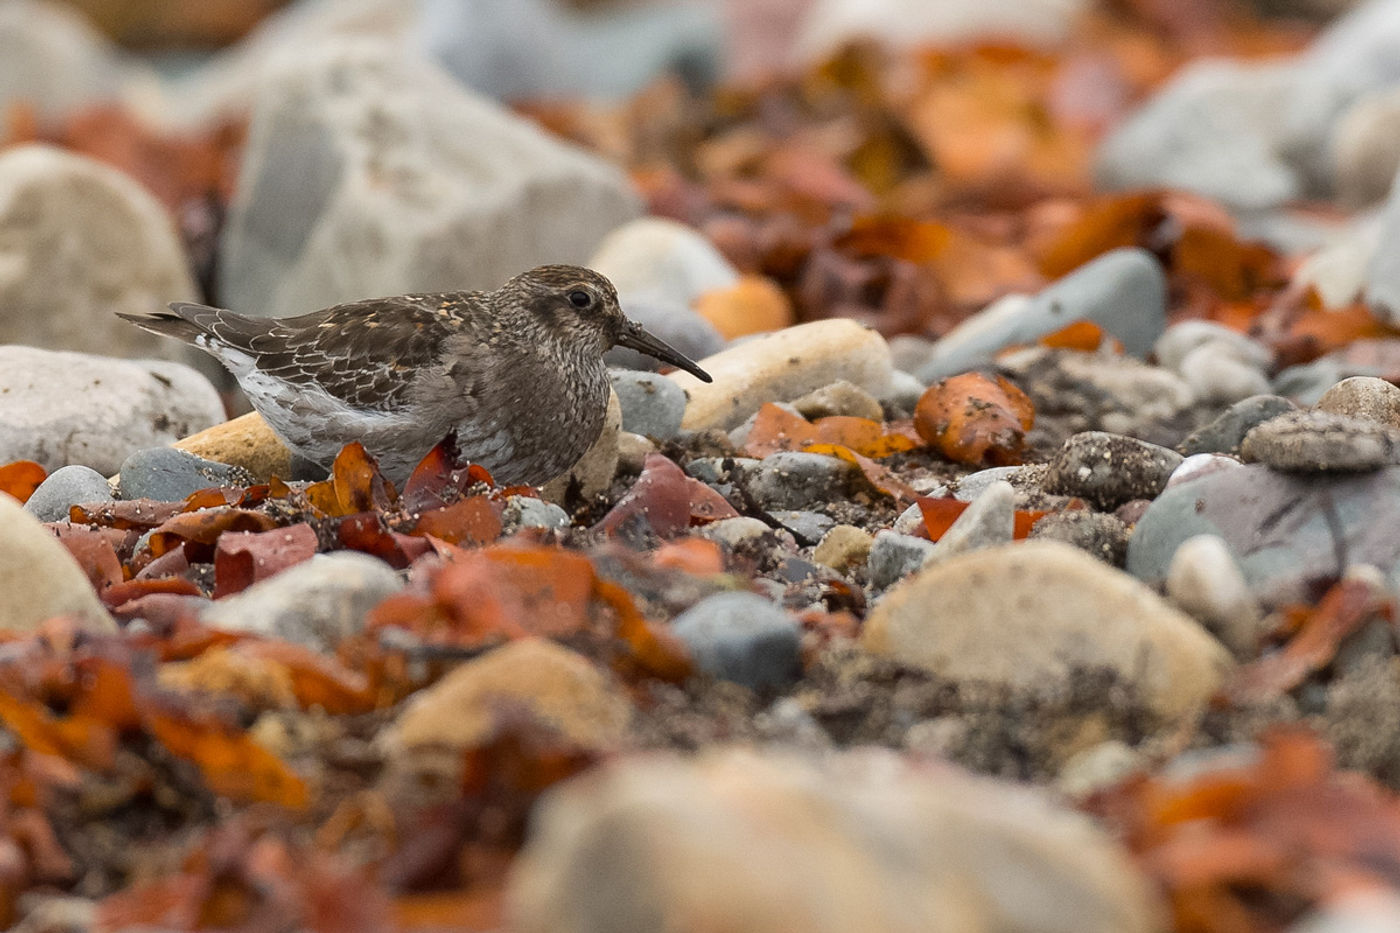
[
  {"x": 169, "y": 475},
  {"x": 1124, "y": 291},
  {"x": 1292, "y": 534},
  {"x": 807, "y": 527},
  {"x": 65, "y": 487},
  {"x": 894, "y": 556},
  {"x": 529, "y": 512},
  {"x": 793, "y": 480},
  {"x": 742, "y": 637},
  {"x": 652, "y": 405},
  {"x": 1225, "y": 434}
]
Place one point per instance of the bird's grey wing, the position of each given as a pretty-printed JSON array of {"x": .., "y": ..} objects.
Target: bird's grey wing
[{"x": 365, "y": 352}]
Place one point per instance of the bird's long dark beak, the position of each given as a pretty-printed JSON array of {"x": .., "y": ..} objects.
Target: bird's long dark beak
[{"x": 635, "y": 338}]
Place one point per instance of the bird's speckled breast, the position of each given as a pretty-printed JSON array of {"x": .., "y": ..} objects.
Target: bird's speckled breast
[{"x": 556, "y": 419}]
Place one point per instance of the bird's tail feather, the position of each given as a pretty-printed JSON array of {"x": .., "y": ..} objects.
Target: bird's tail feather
[{"x": 184, "y": 321}]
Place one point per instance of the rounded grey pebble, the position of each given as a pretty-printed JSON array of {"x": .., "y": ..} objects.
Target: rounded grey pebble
[
  {"x": 806, "y": 527},
  {"x": 894, "y": 556},
  {"x": 792, "y": 480},
  {"x": 1110, "y": 469},
  {"x": 743, "y": 638},
  {"x": 652, "y": 405},
  {"x": 1321, "y": 442},
  {"x": 1100, "y": 533},
  {"x": 66, "y": 487},
  {"x": 1225, "y": 434},
  {"x": 169, "y": 475},
  {"x": 529, "y": 512}
]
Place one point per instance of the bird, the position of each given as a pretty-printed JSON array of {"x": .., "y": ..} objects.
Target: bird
[{"x": 516, "y": 375}]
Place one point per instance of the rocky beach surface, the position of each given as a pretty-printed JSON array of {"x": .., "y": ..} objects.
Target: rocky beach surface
[{"x": 1029, "y": 563}]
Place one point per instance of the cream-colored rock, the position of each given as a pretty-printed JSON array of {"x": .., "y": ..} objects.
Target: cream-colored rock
[
  {"x": 558, "y": 685},
  {"x": 80, "y": 240},
  {"x": 595, "y": 470},
  {"x": 39, "y": 579},
  {"x": 843, "y": 547},
  {"x": 840, "y": 398},
  {"x": 1363, "y": 397},
  {"x": 783, "y": 366},
  {"x": 246, "y": 441},
  {"x": 1032, "y": 615},
  {"x": 1205, "y": 580},
  {"x": 770, "y": 843}
]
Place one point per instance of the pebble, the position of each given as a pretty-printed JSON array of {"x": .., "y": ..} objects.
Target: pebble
[
  {"x": 318, "y": 603},
  {"x": 738, "y": 534},
  {"x": 807, "y": 527},
  {"x": 1198, "y": 465},
  {"x": 1033, "y": 615},
  {"x": 314, "y": 221},
  {"x": 652, "y": 405},
  {"x": 1365, "y": 153},
  {"x": 169, "y": 475},
  {"x": 1109, "y": 469},
  {"x": 54, "y": 61},
  {"x": 1215, "y": 128},
  {"x": 742, "y": 638},
  {"x": 1097, "y": 768},
  {"x": 839, "y": 398},
  {"x": 1101, "y": 534},
  {"x": 784, "y": 366},
  {"x": 893, "y": 556},
  {"x": 1287, "y": 530},
  {"x": 1363, "y": 397},
  {"x": 559, "y": 686},
  {"x": 843, "y": 547},
  {"x": 66, "y": 487},
  {"x": 594, "y": 472},
  {"x": 910, "y": 521},
  {"x": 1124, "y": 291},
  {"x": 39, "y": 579},
  {"x": 1108, "y": 392},
  {"x": 1181, "y": 340},
  {"x": 904, "y": 24},
  {"x": 661, "y": 260},
  {"x": 990, "y": 520},
  {"x": 119, "y": 252},
  {"x": 1225, "y": 434},
  {"x": 529, "y": 512},
  {"x": 1321, "y": 442},
  {"x": 632, "y": 451},
  {"x": 246, "y": 442},
  {"x": 59, "y": 408},
  {"x": 903, "y": 395},
  {"x": 1205, "y": 580},
  {"x": 855, "y": 840},
  {"x": 537, "y": 49},
  {"x": 796, "y": 480},
  {"x": 1218, "y": 376}
]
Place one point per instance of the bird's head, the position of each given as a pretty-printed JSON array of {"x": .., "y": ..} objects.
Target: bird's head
[{"x": 582, "y": 305}]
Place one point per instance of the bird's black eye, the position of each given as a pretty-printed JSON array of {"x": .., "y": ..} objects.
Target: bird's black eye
[{"x": 580, "y": 299}]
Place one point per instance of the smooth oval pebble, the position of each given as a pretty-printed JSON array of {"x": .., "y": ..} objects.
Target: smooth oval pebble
[
  {"x": 1321, "y": 442},
  {"x": 1364, "y": 397},
  {"x": 64, "y": 488},
  {"x": 774, "y": 842},
  {"x": 560, "y": 686},
  {"x": 1032, "y": 615},
  {"x": 783, "y": 366},
  {"x": 742, "y": 637},
  {"x": 39, "y": 579}
]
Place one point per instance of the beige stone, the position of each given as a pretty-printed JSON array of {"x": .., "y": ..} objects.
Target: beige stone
[
  {"x": 39, "y": 579},
  {"x": 246, "y": 441},
  {"x": 1032, "y": 615},
  {"x": 843, "y": 547},
  {"x": 783, "y": 366},
  {"x": 769, "y": 843},
  {"x": 560, "y": 686}
]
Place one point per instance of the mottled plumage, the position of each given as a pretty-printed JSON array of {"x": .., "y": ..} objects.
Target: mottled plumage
[{"x": 517, "y": 373}]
